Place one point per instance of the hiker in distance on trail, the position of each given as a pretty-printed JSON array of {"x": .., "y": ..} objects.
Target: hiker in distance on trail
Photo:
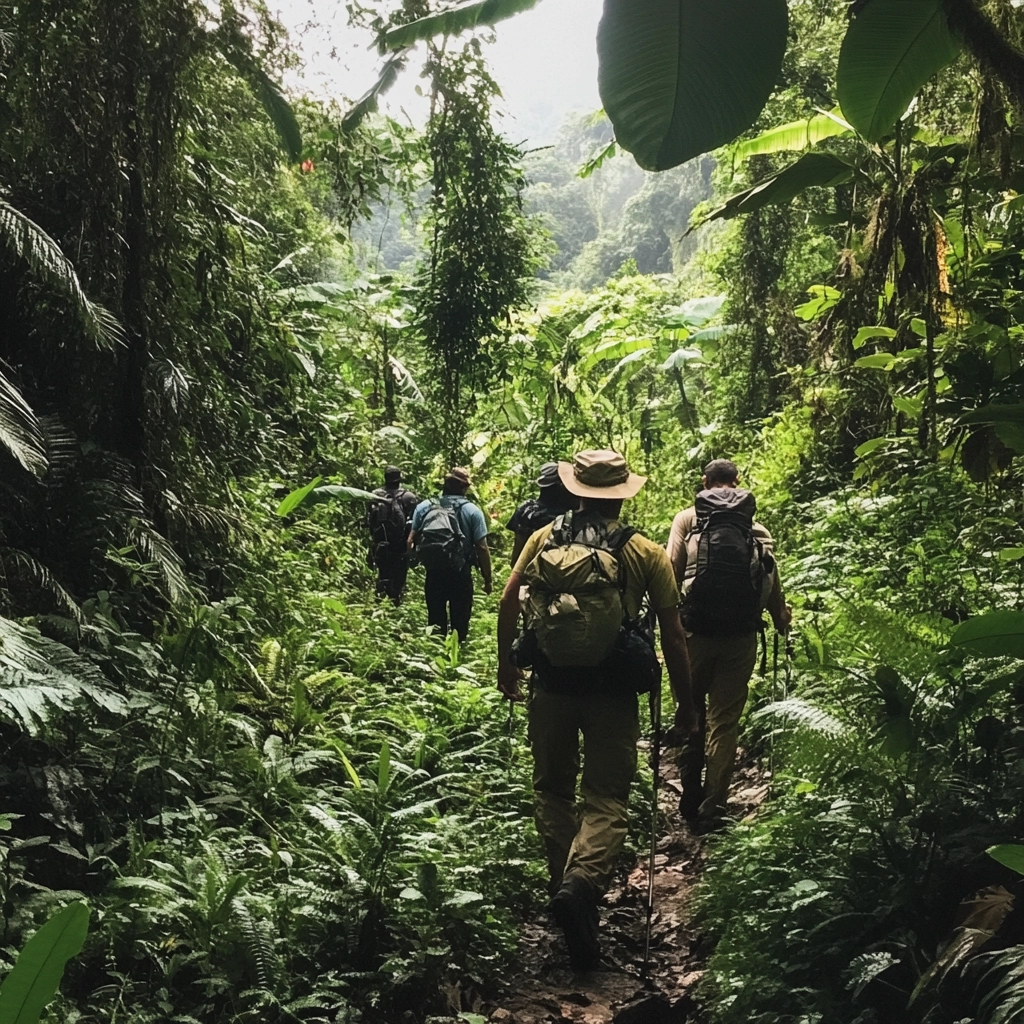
[
  {"x": 585, "y": 578},
  {"x": 449, "y": 536},
  {"x": 552, "y": 501},
  {"x": 388, "y": 523},
  {"x": 725, "y": 564}
]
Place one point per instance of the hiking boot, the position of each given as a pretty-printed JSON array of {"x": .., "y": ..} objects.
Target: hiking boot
[
  {"x": 689, "y": 805},
  {"x": 574, "y": 907}
]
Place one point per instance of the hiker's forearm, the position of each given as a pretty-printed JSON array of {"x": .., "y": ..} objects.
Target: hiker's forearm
[
  {"x": 483, "y": 557},
  {"x": 508, "y": 617},
  {"x": 411, "y": 542},
  {"x": 518, "y": 543},
  {"x": 677, "y": 660}
]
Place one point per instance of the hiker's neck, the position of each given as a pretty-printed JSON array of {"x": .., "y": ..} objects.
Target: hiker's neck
[{"x": 608, "y": 508}]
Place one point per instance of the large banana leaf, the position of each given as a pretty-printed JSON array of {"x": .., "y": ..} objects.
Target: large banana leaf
[
  {"x": 681, "y": 77},
  {"x": 36, "y": 974},
  {"x": 890, "y": 50},
  {"x": 368, "y": 102},
  {"x": 811, "y": 169},
  {"x": 454, "y": 20},
  {"x": 794, "y": 135}
]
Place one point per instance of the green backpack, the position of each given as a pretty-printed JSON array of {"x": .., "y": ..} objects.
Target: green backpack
[{"x": 576, "y": 584}]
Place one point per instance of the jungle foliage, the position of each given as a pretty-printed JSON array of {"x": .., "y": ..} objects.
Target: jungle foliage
[{"x": 280, "y": 801}]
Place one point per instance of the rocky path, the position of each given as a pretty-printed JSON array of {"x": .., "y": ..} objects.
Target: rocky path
[{"x": 543, "y": 988}]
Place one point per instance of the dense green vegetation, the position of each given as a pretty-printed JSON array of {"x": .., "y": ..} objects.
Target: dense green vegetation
[{"x": 282, "y": 801}]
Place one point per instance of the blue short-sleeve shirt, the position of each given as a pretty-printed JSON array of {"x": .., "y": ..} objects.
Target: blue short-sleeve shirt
[{"x": 471, "y": 520}]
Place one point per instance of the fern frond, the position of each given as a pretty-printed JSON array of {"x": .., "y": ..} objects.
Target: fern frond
[
  {"x": 20, "y": 430},
  {"x": 259, "y": 944},
  {"x": 39, "y": 676},
  {"x": 174, "y": 383},
  {"x": 22, "y": 565},
  {"x": 28, "y": 242},
  {"x": 804, "y": 715}
]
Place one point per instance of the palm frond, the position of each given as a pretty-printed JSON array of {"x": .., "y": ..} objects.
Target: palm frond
[
  {"x": 20, "y": 430},
  {"x": 63, "y": 450},
  {"x": 23, "y": 566},
  {"x": 158, "y": 550},
  {"x": 27, "y": 241},
  {"x": 39, "y": 677}
]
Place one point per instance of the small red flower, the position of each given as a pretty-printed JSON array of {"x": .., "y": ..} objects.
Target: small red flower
[{"x": 308, "y": 167}]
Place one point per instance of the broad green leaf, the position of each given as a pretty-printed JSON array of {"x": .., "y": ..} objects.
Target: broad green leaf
[
  {"x": 824, "y": 297},
  {"x": 280, "y": 112},
  {"x": 679, "y": 78},
  {"x": 350, "y": 771},
  {"x": 878, "y": 361},
  {"x": 708, "y": 334},
  {"x": 869, "y": 446},
  {"x": 865, "y": 334},
  {"x": 614, "y": 348},
  {"x": 890, "y": 50},
  {"x": 296, "y": 498},
  {"x": 995, "y": 414},
  {"x": 36, "y": 974},
  {"x": 339, "y": 492},
  {"x": 368, "y": 102},
  {"x": 1011, "y": 554},
  {"x": 680, "y": 357},
  {"x": 794, "y": 135},
  {"x": 994, "y": 634},
  {"x": 1010, "y": 855},
  {"x": 1012, "y": 435},
  {"x": 453, "y": 21},
  {"x": 812, "y": 169},
  {"x": 908, "y": 406},
  {"x": 699, "y": 311}
]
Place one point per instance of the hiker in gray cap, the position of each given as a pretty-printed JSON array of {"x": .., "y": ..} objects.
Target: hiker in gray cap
[{"x": 535, "y": 513}]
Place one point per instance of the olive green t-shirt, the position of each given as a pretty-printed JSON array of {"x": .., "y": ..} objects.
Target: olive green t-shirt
[{"x": 647, "y": 568}]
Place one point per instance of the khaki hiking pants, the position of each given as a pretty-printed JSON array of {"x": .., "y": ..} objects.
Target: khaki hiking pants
[
  {"x": 720, "y": 671},
  {"x": 582, "y": 841}
]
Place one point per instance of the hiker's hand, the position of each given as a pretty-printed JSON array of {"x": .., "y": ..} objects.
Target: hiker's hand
[
  {"x": 686, "y": 723},
  {"x": 508, "y": 680},
  {"x": 782, "y": 623}
]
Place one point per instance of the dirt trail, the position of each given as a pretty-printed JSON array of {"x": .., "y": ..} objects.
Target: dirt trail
[{"x": 544, "y": 989}]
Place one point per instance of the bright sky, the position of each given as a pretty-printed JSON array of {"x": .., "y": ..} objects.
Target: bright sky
[{"x": 545, "y": 61}]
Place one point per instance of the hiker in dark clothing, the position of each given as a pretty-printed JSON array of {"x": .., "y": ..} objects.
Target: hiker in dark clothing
[
  {"x": 535, "y": 513},
  {"x": 388, "y": 523},
  {"x": 449, "y": 535}
]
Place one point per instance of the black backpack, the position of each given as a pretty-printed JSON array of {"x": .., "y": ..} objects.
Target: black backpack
[
  {"x": 533, "y": 515},
  {"x": 386, "y": 520},
  {"x": 728, "y": 573}
]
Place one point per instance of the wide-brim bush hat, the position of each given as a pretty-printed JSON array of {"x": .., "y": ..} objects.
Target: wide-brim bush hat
[
  {"x": 599, "y": 473},
  {"x": 458, "y": 475}
]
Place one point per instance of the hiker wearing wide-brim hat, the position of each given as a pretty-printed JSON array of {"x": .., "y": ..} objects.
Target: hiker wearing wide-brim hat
[
  {"x": 449, "y": 536},
  {"x": 599, "y": 473},
  {"x": 531, "y": 515},
  {"x": 587, "y": 576}
]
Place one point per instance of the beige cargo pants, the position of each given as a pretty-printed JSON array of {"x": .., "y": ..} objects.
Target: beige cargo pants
[
  {"x": 585, "y": 840},
  {"x": 720, "y": 671}
]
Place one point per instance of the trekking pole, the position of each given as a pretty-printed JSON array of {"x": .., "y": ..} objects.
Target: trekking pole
[
  {"x": 788, "y": 675},
  {"x": 775, "y": 697},
  {"x": 511, "y": 736},
  {"x": 654, "y": 704}
]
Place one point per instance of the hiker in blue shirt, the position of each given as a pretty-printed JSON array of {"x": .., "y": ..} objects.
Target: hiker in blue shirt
[{"x": 449, "y": 536}]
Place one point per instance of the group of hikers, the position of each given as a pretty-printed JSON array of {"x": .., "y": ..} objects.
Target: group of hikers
[{"x": 577, "y": 620}]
